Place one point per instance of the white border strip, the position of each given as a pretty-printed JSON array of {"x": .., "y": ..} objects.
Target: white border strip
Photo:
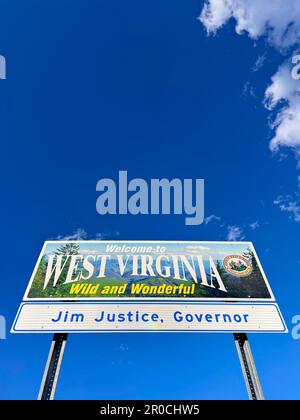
[{"x": 140, "y": 306}]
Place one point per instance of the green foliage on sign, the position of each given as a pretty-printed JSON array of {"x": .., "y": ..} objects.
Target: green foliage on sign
[{"x": 251, "y": 285}]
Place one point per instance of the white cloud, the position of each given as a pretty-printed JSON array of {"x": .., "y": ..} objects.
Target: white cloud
[
  {"x": 289, "y": 205},
  {"x": 215, "y": 14},
  {"x": 77, "y": 235},
  {"x": 194, "y": 249},
  {"x": 285, "y": 91},
  {"x": 211, "y": 218},
  {"x": 248, "y": 90},
  {"x": 123, "y": 347},
  {"x": 80, "y": 234},
  {"x": 89, "y": 251},
  {"x": 277, "y": 20},
  {"x": 260, "y": 61},
  {"x": 254, "y": 225},
  {"x": 101, "y": 236},
  {"x": 234, "y": 233},
  {"x": 278, "y": 23}
]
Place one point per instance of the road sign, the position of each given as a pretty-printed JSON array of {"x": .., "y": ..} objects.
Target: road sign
[
  {"x": 148, "y": 317},
  {"x": 139, "y": 270},
  {"x": 152, "y": 286}
]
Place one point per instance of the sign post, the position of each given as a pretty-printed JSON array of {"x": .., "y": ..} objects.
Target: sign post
[
  {"x": 52, "y": 367},
  {"x": 148, "y": 286},
  {"x": 248, "y": 366}
]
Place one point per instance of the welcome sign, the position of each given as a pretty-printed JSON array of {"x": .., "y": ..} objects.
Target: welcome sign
[
  {"x": 122, "y": 270},
  {"x": 128, "y": 286}
]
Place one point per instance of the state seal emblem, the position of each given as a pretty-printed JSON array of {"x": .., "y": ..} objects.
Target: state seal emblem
[{"x": 237, "y": 265}]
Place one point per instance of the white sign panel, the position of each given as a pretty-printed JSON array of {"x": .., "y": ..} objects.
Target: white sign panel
[{"x": 148, "y": 317}]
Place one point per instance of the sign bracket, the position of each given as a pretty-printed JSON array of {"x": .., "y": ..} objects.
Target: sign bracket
[
  {"x": 52, "y": 368},
  {"x": 248, "y": 367}
]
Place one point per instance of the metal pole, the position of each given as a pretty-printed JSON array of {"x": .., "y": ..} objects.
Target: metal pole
[
  {"x": 52, "y": 368},
  {"x": 248, "y": 367}
]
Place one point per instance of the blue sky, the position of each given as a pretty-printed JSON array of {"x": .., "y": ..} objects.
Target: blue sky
[{"x": 96, "y": 88}]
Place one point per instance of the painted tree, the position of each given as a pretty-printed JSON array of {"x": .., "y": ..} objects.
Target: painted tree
[
  {"x": 68, "y": 249},
  {"x": 254, "y": 285},
  {"x": 65, "y": 250},
  {"x": 251, "y": 257}
]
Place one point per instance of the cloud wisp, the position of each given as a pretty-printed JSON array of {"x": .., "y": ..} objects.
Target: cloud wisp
[
  {"x": 259, "y": 63},
  {"x": 80, "y": 234},
  {"x": 289, "y": 205},
  {"x": 77, "y": 235},
  {"x": 235, "y": 233},
  {"x": 211, "y": 218}
]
